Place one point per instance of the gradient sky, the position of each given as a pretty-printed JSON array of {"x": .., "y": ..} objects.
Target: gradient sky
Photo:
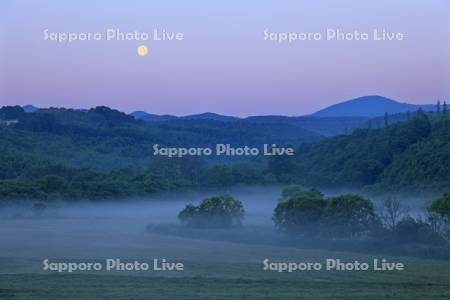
[{"x": 223, "y": 65}]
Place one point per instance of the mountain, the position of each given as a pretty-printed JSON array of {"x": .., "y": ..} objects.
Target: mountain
[
  {"x": 341, "y": 118},
  {"x": 142, "y": 115},
  {"x": 323, "y": 126},
  {"x": 370, "y": 106},
  {"x": 212, "y": 116},
  {"x": 30, "y": 108}
]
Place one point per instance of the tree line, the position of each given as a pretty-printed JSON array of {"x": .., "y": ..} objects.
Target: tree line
[{"x": 308, "y": 213}]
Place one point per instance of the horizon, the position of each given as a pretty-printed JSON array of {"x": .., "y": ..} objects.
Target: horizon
[
  {"x": 234, "y": 116},
  {"x": 221, "y": 66}
]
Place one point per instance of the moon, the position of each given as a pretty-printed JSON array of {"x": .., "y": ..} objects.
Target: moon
[{"x": 142, "y": 50}]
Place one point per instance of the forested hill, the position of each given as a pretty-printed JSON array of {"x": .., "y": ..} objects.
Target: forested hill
[
  {"x": 411, "y": 154},
  {"x": 102, "y": 153},
  {"x": 104, "y": 139}
]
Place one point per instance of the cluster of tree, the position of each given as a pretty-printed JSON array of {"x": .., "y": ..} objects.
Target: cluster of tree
[
  {"x": 9, "y": 113},
  {"x": 103, "y": 153},
  {"x": 28, "y": 177},
  {"x": 406, "y": 155},
  {"x": 309, "y": 213},
  {"x": 104, "y": 139},
  {"x": 215, "y": 212}
]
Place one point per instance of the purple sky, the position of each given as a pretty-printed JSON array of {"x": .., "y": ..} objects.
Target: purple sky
[{"x": 223, "y": 64}]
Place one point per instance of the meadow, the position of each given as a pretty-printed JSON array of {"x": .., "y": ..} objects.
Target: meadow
[{"x": 214, "y": 269}]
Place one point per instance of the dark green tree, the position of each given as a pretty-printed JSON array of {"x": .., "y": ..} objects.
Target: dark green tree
[
  {"x": 215, "y": 212},
  {"x": 301, "y": 213},
  {"x": 11, "y": 112},
  {"x": 52, "y": 184},
  {"x": 441, "y": 206},
  {"x": 296, "y": 190},
  {"x": 348, "y": 216},
  {"x": 412, "y": 231}
]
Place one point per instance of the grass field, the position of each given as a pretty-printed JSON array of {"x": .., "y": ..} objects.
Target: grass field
[
  {"x": 213, "y": 269},
  {"x": 415, "y": 286}
]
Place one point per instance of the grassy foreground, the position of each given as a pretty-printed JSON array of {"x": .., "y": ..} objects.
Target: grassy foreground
[
  {"x": 121, "y": 287},
  {"x": 213, "y": 269},
  {"x": 28, "y": 286}
]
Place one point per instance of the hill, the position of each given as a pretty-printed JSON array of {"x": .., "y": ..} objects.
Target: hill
[
  {"x": 30, "y": 108},
  {"x": 370, "y": 106},
  {"x": 103, "y": 153},
  {"x": 105, "y": 139},
  {"x": 211, "y": 116},
  {"x": 324, "y": 126},
  {"x": 341, "y": 118},
  {"x": 409, "y": 155},
  {"x": 141, "y": 115}
]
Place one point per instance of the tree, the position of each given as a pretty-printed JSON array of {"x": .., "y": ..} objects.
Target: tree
[
  {"x": 111, "y": 114},
  {"x": 386, "y": 119},
  {"x": 189, "y": 214},
  {"x": 444, "y": 107},
  {"x": 19, "y": 189},
  {"x": 183, "y": 170},
  {"x": 391, "y": 212},
  {"x": 282, "y": 167},
  {"x": 410, "y": 230},
  {"x": 296, "y": 190},
  {"x": 438, "y": 106},
  {"x": 439, "y": 215},
  {"x": 52, "y": 183},
  {"x": 39, "y": 122},
  {"x": 11, "y": 112},
  {"x": 300, "y": 213},
  {"x": 219, "y": 176},
  {"x": 214, "y": 212},
  {"x": 441, "y": 206},
  {"x": 348, "y": 216}
]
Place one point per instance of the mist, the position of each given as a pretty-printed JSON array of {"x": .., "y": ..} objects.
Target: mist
[
  {"x": 110, "y": 228},
  {"x": 120, "y": 228}
]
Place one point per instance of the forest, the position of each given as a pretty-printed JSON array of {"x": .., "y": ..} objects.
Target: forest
[{"x": 102, "y": 153}]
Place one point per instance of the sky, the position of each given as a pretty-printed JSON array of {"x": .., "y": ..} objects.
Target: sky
[{"x": 223, "y": 64}]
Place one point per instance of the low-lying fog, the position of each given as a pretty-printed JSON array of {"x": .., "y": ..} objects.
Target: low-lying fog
[
  {"x": 258, "y": 202},
  {"x": 119, "y": 228},
  {"x": 108, "y": 229}
]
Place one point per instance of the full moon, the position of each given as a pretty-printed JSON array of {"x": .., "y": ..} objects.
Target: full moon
[{"x": 142, "y": 50}]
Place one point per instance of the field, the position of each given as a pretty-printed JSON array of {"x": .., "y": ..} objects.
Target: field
[{"x": 213, "y": 269}]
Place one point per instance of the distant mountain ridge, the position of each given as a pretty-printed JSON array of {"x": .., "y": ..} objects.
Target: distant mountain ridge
[
  {"x": 142, "y": 115},
  {"x": 340, "y": 118},
  {"x": 370, "y": 106},
  {"x": 30, "y": 108},
  {"x": 211, "y": 116},
  {"x": 328, "y": 126},
  {"x": 366, "y": 106}
]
